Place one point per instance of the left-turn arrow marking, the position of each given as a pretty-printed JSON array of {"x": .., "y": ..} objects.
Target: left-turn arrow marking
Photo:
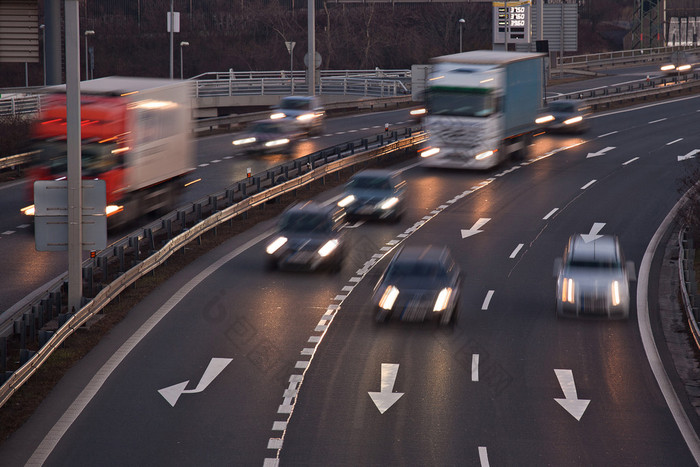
[{"x": 215, "y": 367}]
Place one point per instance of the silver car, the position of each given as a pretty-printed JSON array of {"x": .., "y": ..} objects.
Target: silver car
[
  {"x": 593, "y": 278},
  {"x": 305, "y": 112}
]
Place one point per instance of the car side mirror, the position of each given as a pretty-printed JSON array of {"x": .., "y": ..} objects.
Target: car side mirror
[
  {"x": 557, "y": 266},
  {"x": 631, "y": 272}
]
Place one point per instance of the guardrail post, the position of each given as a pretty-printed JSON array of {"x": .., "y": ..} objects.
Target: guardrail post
[
  {"x": 44, "y": 337},
  {"x": 25, "y": 355},
  {"x": 257, "y": 184},
  {"x": 134, "y": 243},
  {"x": 119, "y": 252},
  {"x": 182, "y": 218},
  {"x": 167, "y": 225},
  {"x": 148, "y": 235},
  {"x": 365, "y": 143},
  {"x": 55, "y": 301},
  {"x": 87, "y": 276},
  {"x": 214, "y": 203},
  {"x": 37, "y": 322},
  {"x": 198, "y": 211},
  {"x": 3, "y": 356},
  {"x": 242, "y": 189}
]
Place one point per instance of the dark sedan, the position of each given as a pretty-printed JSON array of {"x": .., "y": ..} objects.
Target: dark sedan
[
  {"x": 376, "y": 194},
  {"x": 421, "y": 283},
  {"x": 308, "y": 237}
]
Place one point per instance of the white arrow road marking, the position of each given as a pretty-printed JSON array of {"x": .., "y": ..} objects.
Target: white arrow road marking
[
  {"x": 593, "y": 235},
  {"x": 475, "y": 228},
  {"x": 386, "y": 397},
  {"x": 601, "y": 152},
  {"x": 690, "y": 155},
  {"x": 173, "y": 393},
  {"x": 571, "y": 402},
  {"x": 483, "y": 456}
]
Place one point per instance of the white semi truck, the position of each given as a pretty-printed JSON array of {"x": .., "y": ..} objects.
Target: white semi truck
[{"x": 482, "y": 107}]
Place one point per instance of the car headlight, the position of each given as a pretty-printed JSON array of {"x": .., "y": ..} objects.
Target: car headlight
[
  {"x": 388, "y": 203},
  {"x": 417, "y": 112},
  {"x": 306, "y": 117},
  {"x": 683, "y": 68},
  {"x": 668, "y": 67},
  {"x": 429, "y": 152},
  {"x": 328, "y": 248},
  {"x": 388, "y": 298},
  {"x": 28, "y": 210},
  {"x": 277, "y": 116},
  {"x": 544, "y": 119},
  {"x": 484, "y": 155},
  {"x": 242, "y": 141},
  {"x": 567, "y": 290},
  {"x": 277, "y": 142},
  {"x": 573, "y": 120},
  {"x": 348, "y": 200},
  {"x": 615, "y": 289},
  {"x": 276, "y": 245},
  {"x": 443, "y": 299}
]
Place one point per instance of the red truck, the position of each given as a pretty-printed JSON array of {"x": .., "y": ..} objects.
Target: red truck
[{"x": 136, "y": 136}]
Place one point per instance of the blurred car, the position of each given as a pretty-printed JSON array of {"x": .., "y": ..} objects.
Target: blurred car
[
  {"x": 418, "y": 113},
  {"x": 566, "y": 116},
  {"x": 375, "y": 194},
  {"x": 680, "y": 62},
  {"x": 306, "y": 112},
  {"x": 308, "y": 237},
  {"x": 593, "y": 278},
  {"x": 421, "y": 283},
  {"x": 268, "y": 137}
]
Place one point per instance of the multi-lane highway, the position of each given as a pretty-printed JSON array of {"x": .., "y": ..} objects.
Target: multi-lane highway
[{"x": 230, "y": 364}]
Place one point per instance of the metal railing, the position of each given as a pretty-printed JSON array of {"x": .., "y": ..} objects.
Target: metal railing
[
  {"x": 688, "y": 283},
  {"x": 26, "y": 318},
  {"x": 620, "y": 57}
]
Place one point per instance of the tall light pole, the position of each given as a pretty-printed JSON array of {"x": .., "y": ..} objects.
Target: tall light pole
[
  {"x": 182, "y": 44},
  {"x": 290, "y": 48},
  {"x": 461, "y": 24},
  {"x": 43, "y": 44},
  {"x": 89, "y": 32}
]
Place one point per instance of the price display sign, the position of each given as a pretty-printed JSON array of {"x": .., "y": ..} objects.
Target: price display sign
[{"x": 511, "y": 22}]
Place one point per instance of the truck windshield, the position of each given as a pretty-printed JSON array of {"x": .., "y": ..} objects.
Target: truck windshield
[
  {"x": 97, "y": 158},
  {"x": 461, "y": 103}
]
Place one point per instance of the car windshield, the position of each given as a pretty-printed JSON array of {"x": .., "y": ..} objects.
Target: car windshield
[
  {"x": 295, "y": 104},
  {"x": 370, "y": 183},
  {"x": 562, "y": 106},
  {"x": 416, "y": 269},
  {"x": 595, "y": 265},
  {"x": 267, "y": 127},
  {"x": 305, "y": 222}
]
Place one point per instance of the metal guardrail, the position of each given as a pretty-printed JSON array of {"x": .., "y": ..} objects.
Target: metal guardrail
[
  {"x": 273, "y": 183},
  {"x": 620, "y": 57},
  {"x": 688, "y": 283},
  {"x": 20, "y": 105},
  {"x": 632, "y": 90}
]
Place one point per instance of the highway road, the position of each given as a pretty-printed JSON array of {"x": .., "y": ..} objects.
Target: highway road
[{"x": 229, "y": 364}]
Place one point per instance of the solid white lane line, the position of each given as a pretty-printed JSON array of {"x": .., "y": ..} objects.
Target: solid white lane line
[
  {"x": 674, "y": 141},
  {"x": 630, "y": 161},
  {"x": 516, "y": 251},
  {"x": 52, "y": 438},
  {"x": 588, "y": 184},
  {"x": 657, "y": 121},
  {"x": 550, "y": 214},
  {"x": 475, "y": 367},
  {"x": 487, "y": 300},
  {"x": 483, "y": 456}
]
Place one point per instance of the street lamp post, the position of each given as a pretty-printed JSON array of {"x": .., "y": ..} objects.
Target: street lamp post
[
  {"x": 290, "y": 48},
  {"x": 43, "y": 53},
  {"x": 182, "y": 44},
  {"x": 89, "y": 32},
  {"x": 461, "y": 24}
]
